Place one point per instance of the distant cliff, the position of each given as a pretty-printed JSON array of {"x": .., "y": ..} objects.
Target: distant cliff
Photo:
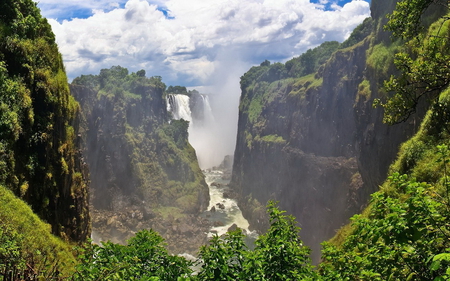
[
  {"x": 40, "y": 156},
  {"x": 308, "y": 134}
]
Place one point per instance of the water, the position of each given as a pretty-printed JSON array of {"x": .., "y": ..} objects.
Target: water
[
  {"x": 230, "y": 214},
  {"x": 179, "y": 106},
  {"x": 227, "y": 212}
]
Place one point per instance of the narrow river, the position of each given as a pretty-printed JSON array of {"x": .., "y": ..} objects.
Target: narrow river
[{"x": 222, "y": 211}]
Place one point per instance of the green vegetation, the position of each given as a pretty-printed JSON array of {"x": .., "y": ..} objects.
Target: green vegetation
[
  {"x": 278, "y": 255},
  {"x": 401, "y": 236},
  {"x": 301, "y": 85},
  {"x": 143, "y": 258},
  {"x": 359, "y": 33},
  {"x": 310, "y": 61},
  {"x": 177, "y": 90},
  {"x": 39, "y": 156},
  {"x": 424, "y": 63},
  {"x": 273, "y": 139},
  {"x": 404, "y": 233},
  {"x": 364, "y": 90},
  {"x": 398, "y": 238},
  {"x": 380, "y": 58},
  {"x": 27, "y": 246}
]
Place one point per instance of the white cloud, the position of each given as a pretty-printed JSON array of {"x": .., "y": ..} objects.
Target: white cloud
[{"x": 183, "y": 49}]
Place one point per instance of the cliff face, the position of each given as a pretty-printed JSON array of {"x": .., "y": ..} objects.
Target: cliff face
[
  {"x": 314, "y": 142},
  {"x": 139, "y": 160},
  {"x": 133, "y": 149},
  {"x": 40, "y": 157}
]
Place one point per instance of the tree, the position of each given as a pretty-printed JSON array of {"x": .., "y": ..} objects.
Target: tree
[
  {"x": 141, "y": 73},
  {"x": 279, "y": 253},
  {"x": 144, "y": 258},
  {"x": 224, "y": 258},
  {"x": 424, "y": 65}
]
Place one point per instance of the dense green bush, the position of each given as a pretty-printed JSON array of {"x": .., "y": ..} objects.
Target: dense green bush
[{"x": 143, "y": 258}]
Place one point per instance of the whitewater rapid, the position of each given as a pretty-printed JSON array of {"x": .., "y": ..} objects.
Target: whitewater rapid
[{"x": 230, "y": 213}]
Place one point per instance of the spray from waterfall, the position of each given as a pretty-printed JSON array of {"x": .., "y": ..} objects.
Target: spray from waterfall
[{"x": 197, "y": 110}]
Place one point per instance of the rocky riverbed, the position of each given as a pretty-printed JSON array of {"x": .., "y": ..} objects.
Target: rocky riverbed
[{"x": 182, "y": 235}]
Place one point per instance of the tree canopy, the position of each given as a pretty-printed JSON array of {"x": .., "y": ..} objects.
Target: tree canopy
[{"x": 424, "y": 63}]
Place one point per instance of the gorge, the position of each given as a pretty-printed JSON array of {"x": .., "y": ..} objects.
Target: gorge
[{"x": 120, "y": 156}]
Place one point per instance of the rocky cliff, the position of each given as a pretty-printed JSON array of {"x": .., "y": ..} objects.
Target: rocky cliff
[
  {"x": 144, "y": 173},
  {"x": 308, "y": 134}
]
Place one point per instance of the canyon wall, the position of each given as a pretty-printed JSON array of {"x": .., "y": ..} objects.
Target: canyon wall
[
  {"x": 40, "y": 156},
  {"x": 312, "y": 139},
  {"x": 144, "y": 173}
]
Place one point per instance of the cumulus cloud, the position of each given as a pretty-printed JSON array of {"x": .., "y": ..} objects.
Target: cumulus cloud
[{"x": 180, "y": 40}]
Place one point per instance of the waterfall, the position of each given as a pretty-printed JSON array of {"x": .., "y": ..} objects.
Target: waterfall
[
  {"x": 208, "y": 116},
  {"x": 179, "y": 106}
]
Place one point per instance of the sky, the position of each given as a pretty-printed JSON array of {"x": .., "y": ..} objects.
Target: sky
[
  {"x": 205, "y": 45},
  {"x": 190, "y": 42}
]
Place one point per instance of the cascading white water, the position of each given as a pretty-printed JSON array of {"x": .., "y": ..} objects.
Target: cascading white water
[
  {"x": 179, "y": 106},
  {"x": 203, "y": 129},
  {"x": 230, "y": 214},
  {"x": 207, "y": 110}
]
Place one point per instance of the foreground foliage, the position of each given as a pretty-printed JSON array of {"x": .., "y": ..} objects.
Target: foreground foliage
[
  {"x": 424, "y": 61},
  {"x": 400, "y": 238},
  {"x": 278, "y": 255},
  {"x": 27, "y": 248},
  {"x": 39, "y": 154},
  {"x": 143, "y": 258}
]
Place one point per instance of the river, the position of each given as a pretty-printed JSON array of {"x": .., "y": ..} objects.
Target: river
[{"x": 227, "y": 212}]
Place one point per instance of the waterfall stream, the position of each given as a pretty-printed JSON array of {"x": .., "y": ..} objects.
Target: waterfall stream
[{"x": 222, "y": 211}]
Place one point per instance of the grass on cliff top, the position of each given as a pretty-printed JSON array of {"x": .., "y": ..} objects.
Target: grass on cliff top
[
  {"x": 265, "y": 93},
  {"x": 27, "y": 241},
  {"x": 301, "y": 85}
]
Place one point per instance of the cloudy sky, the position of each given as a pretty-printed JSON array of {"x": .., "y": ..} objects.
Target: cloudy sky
[{"x": 194, "y": 42}]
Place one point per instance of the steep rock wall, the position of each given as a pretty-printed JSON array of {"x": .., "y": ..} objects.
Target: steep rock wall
[
  {"x": 315, "y": 143},
  {"x": 135, "y": 155}
]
